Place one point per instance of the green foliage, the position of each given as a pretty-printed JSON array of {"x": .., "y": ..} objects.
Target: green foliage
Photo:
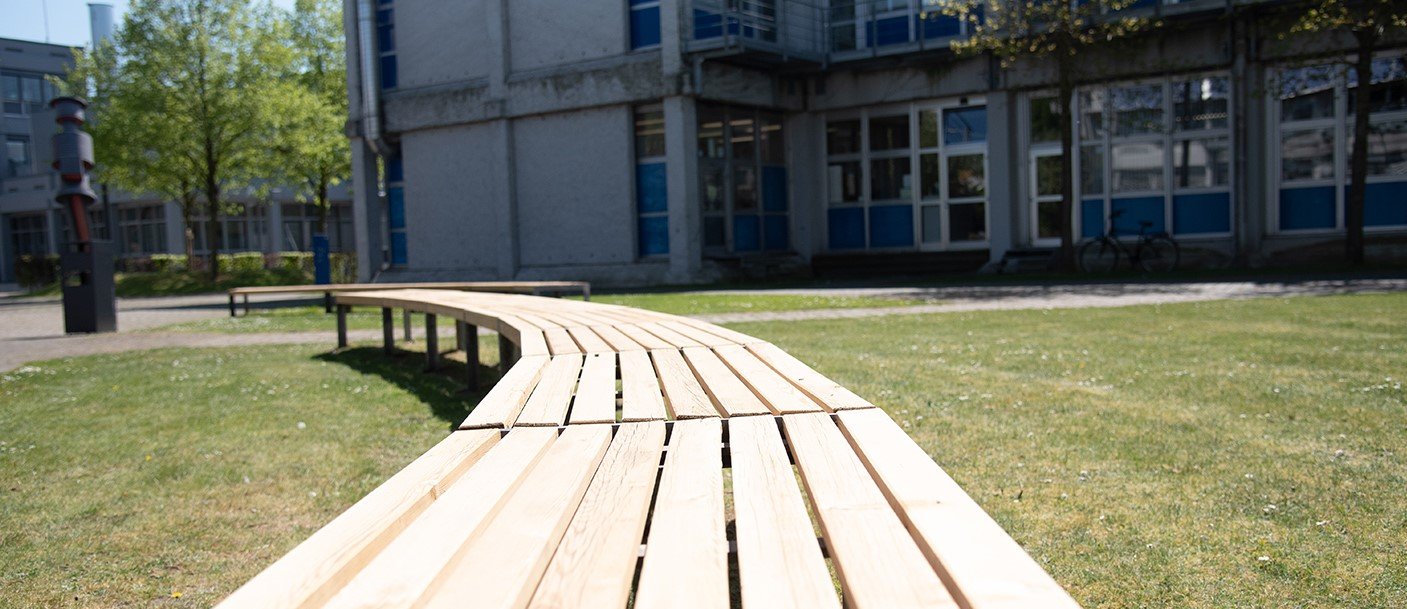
[
  {"x": 1351, "y": 15},
  {"x": 169, "y": 263},
  {"x": 36, "y": 271},
  {"x": 243, "y": 262},
  {"x": 1057, "y": 30},
  {"x": 299, "y": 262}
]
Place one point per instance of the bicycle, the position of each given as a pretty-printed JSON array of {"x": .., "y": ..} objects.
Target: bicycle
[{"x": 1154, "y": 252}]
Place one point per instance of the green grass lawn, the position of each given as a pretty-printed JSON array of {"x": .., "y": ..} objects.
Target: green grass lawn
[
  {"x": 314, "y": 318},
  {"x": 1227, "y": 454}
]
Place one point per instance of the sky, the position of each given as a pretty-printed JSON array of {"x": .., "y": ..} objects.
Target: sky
[{"x": 68, "y": 19}]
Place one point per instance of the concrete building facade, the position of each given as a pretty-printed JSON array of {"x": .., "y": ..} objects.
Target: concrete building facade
[
  {"x": 653, "y": 141},
  {"x": 31, "y": 223}
]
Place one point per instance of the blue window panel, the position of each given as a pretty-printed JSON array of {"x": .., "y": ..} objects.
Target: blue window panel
[
  {"x": 654, "y": 236},
  {"x": 715, "y": 232},
  {"x": 395, "y": 207},
  {"x": 938, "y": 25},
  {"x": 707, "y": 25},
  {"x": 398, "y": 249},
  {"x": 384, "y": 16},
  {"x": 1307, "y": 208},
  {"x": 1091, "y": 218},
  {"x": 845, "y": 228},
  {"x": 746, "y": 234},
  {"x": 892, "y": 226},
  {"x": 1385, "y": 204},
  {"x": 394, "y": 171},
  {"x": 651, "y": 194},
  {"x": 887, "y": 31},
  {"x": 774, "y": 188},
  {"x": 775, "y": 233},
  {"x": 385, "y": 38},
  {"x": 1205, "y": 213},
  {"x": 1139, "y": 209},
  {"x": 389, "y": 77},
  {"x": 962, "y": 125},
  {"x": 644, "y": 27}
]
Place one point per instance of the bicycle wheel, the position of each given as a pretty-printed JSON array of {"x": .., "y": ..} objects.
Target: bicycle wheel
[
  {"x": 1099, "y": 256},
  {"x": 1158, "y": 254}
]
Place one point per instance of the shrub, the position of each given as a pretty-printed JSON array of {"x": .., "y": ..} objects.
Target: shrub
[
  {"x": 344, "y": 267},
  {"x": 242, "y": 263},
  {"x": 37, "y": 271},
  {"x": 296, "y": 262},
  {"x": 168, "y": 263}
]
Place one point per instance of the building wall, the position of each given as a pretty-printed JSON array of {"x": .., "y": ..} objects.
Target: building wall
[
  {"x": 443, "y": 45},
  {"x": 455, "y": 203},
  {"x": 546, "y": 33}
]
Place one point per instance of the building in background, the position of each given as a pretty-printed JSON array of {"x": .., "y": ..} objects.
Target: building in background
[
  {"x": 648, "y": 141},
  {"x": 31, "y": 223}
]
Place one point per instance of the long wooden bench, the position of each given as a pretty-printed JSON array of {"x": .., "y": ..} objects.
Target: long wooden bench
[
  {"x": 627, "y": 454},
  {"x": 535, "y": 288}
]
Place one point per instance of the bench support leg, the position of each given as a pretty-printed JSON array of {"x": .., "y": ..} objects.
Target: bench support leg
[
  {"x": 586, "y": 292},
  {"x": 505, "y": 353},
  {"x": 232, "y": 306},
  {"x": 246, "y": 305},
  {"x": 327, "y": 302},
  {"x": 342, "y": 326},
  {"x": 405, "y": 321},
  {"x": 458, "y": 335},
  {"x": 470, "y": 345},
  {"x": 432, "y": 342},
  {"x": 388, "y": 331}
]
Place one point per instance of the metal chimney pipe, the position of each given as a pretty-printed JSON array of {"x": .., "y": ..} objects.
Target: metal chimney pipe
[{"x": 100, "y": 22}]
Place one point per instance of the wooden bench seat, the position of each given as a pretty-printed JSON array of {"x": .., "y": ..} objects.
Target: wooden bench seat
[
  {"x": 535, "y": 288},
  {"x": 629, "y": 453}
]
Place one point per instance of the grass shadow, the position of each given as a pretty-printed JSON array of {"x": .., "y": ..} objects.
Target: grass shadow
[{"x": 443, "y": 390}]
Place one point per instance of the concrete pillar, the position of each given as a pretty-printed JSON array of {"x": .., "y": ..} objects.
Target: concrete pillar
[
  {"x": 1005, "y": 202},
  {"x": 672, "y": 14},
  {"x": 175, "y": 227},
  {"x": 53, "y": 230},
  {"x": 806, "y": 174},
  {"x": 682, "y": 182},
  {"x": 367, "y": 214},
  {"x": 1250, "y": 195},
  {"x": 273, "y": 227}
]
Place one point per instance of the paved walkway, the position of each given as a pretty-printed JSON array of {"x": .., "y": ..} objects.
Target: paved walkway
[{"x": 32, "y": 330}]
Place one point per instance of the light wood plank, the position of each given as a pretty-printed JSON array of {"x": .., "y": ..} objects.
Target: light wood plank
[
  {"x": 503, "y": 566},
  {"x": 732, "y": 336},
  {"x": 779, "y": 394},
  {"x": 548, "y": 403},
  {"x": 829, "y": 394},
  {"x": 589, "y": 341},
  {"x": 670, "y": 336},
  {"x": 503, "y": 403},
  {"x": 560, "y": 342},
  {"x": 779, "y": 561},
  {"x": 595, "y": 563},
  {"x": 595, "y": 400},
  {"x": 317, "y": 568},
  {"x": 729, "y": 394},
  {"x": 982, "y": 565},
  {"x": 686, "y": 554},
  {"x": 682, "y": 392},
  {"x": 406, "y": 570},
  {"x": 699, "y": 336},
  {"x": 642, "y": 337},
  {"x": 641, "y": 399},
  {"x": 880, "y": 565},
  {"x": 616, "y": 339}
]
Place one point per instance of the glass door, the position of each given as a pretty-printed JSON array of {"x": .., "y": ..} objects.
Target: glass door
[{"x": 1045, "y": 195}]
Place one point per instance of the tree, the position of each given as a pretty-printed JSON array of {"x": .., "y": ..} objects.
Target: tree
[
  {"x": 1059, "y": 31},
  {"x": 313, "y": 151},
  {"x": 1367, "y": 21},
  {"x": 186, "y": 94}
]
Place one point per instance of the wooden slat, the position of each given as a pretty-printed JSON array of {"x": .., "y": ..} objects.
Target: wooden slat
[
  {"x": 615, "y": 339},
  {"x": 503, "y": 403},
  {"x": 686, "y": 554},
  {"x": 641, "y": 399},
  {"x": 682, "y": 392},
  {"x": 319, "y": 567},
  {"x": 732, "y": 336},
  {"x": 829, "y": 394},
  {"x": 595, "y": 562},
  {"x": 728, "y": 393},
  {"x": 549, "y": 400},
  {"x": 595, "y": 400},
  {"x": 589, "y": 341},
  {"x": 983, "y": 567},
  {"x": 779, "y": 561},
  {"x": 779, "y": 395},
  {"x": 699, "y": 336},
  {"x": 406, "y": 571},
  {"x": 503, "y": 566},
  {"x": 643, "y": 338},
  {"x": 560, "y": 342},
  {"x": 670, "y": 336},
  {"x": 880, "y": 565}
]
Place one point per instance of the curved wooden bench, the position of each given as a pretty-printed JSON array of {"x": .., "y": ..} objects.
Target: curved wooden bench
[
  {"x": 535, "y": 288},
  {"x": 592, "y": 472}
]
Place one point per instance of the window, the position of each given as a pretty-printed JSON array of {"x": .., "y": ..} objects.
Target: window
[
  {"x": 877, "y": 202},
  {"x": 143, "y": 229},
  {"x": 386, "y": 44},
  {"x": 28, "y": 235},
  {"x": 97, "y": 224},
  {"x": 395, "y": 209},
  {"x": 743, "y": 180},
  {"x": 868, "y": 24},
  {"x": 1045, "y": 119},
  {"x": 1316, "y": 108},
  {"x": 17, "y": 159},
  {"x": 651, "y": 191},
  {"x": 644, "y": 24},
  {"x": 23, "y": 92}
]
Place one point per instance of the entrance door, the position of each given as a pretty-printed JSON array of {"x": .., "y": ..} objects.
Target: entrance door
[{"x": 1045, "y": 195}]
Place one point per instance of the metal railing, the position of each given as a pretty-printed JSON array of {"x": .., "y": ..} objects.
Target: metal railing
[{"x": 790, "y": 28}]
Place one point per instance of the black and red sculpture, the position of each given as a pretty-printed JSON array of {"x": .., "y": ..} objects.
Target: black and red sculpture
[{"x": 90, "y": 300}]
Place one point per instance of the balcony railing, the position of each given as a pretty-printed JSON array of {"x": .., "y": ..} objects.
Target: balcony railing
[{"x": 789, "y": 29}]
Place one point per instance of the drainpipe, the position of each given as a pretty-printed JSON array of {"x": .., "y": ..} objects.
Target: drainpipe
[{"x": 371, "y": 102}]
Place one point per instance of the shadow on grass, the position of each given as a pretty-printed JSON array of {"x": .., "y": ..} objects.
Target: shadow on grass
[{"x": 442, "y": 390}]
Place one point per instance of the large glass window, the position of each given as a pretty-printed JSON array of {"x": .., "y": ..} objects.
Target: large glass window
[
  {"x": 644, "y": 23},
  {"x": 24, "y": 92},
  {"x": 143, "y": 229},
  {"x": 743, "y": 180},
  {"x": 28, "y": 236},
  {"x": 877, "y": 201},
  {"x": 17, "y": 156},
  {"x": 1316, "y": 108}
]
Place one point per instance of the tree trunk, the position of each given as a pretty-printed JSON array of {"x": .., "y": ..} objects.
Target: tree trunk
[
  {"x": 323, "y": 206},
  {"x": 187, "y": 215},
  {"x": 212, "y": 230},
  {"x": 1358, "y": 161},
  {"x": 1065, "y": 259}
]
